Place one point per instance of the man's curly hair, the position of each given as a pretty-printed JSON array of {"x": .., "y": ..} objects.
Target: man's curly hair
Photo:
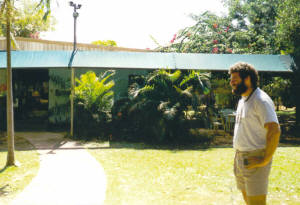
[{"x": 245, "y": 70}]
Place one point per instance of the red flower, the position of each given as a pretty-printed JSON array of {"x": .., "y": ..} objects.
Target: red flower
[
  {"x": 173, "y": 39},
  {"x": 3, "y": 88},
  {"x": 35, "y": 35},
  {"x": 215, "y": 50},
  {"x": 215, "y": 41},
  {"x": 229, "y": 50},
  {"x": 215, "y": 25},
  {"x": 147, "y": 48},
  {"x": 227, "y": 29}
]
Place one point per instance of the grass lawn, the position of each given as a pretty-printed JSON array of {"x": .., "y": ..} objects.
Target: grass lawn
[
  {"x": 14, "y": 179},
  {"x": 138, "y": 174},
  {"x": 290, "y": 112}
]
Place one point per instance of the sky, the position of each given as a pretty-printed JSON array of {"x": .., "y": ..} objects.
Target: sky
[{"x": 128, "y": 22}]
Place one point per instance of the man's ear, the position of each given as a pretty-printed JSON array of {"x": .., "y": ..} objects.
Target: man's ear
[{"x": 248, "y": 81}]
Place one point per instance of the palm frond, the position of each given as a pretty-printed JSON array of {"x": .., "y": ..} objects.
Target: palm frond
[
  {"x": 2, "y": 7},
  {"x": 94, "y": 92},
  {"x": 134, "y": 90},
  {"x": 146, "y": 88},
  {"x": 45, "y": 5},
  {"x": 174, "y": 76},
  {"x": 186, "y": 92}
]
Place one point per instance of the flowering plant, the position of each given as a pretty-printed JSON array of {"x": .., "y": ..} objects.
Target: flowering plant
[{"x": 3, "y": 89}]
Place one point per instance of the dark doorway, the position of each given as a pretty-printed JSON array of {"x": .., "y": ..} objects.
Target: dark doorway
[{"x": 31, "y": 99}]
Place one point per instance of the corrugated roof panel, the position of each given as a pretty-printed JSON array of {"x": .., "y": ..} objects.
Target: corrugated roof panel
[
  {"x": 37, "y": 59},
  {"x": 144, "y": 60},
  {"x": 119, "y": 59},
  {"x": 275, "y": 63}
]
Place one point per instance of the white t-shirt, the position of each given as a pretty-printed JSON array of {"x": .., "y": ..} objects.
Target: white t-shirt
[{"x": 251, "y": 116}]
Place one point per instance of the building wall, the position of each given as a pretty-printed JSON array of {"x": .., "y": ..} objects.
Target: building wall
[
  {"x": 45, "y": 45},
  {"x": 59, "y": 79},
  {"x": 59, "y": 96},
  {"x": 2, "y": 76},
  {"x": 2, "y": 101},
  {"x": 59, "y": 90}
]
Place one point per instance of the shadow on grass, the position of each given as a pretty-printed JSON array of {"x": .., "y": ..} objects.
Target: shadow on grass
[
  {"x": 22, "y": 144},
  {"x": 3, "y": 169},
  {"x": 2, "y": 190},
  {"x": 145, "y": 146}
]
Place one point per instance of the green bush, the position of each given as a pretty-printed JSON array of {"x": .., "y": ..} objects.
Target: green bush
[
  {"x": 157, "y": 106},
  {"x": 93, "y": 103}
]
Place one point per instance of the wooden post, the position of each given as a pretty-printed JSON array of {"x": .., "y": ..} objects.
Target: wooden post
[{"x": 72, "y": 101}]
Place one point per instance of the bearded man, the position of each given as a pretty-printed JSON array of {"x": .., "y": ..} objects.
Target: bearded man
[{"x": 256, "y": 134}]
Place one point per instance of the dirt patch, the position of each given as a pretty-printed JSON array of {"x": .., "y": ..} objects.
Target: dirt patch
[
  {"x": 20, "y": 143},
  {"x": 34, "y": 140}
]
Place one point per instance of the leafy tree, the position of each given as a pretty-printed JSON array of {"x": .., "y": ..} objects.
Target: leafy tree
[
  {"x": 27, "y": 20},
  {"x": 210, "y": 34},
  {"x": 288, "y": 41},
  {"x": 105, "y": 43},
  {"x": 288, "y": 26},
  {"x": 279, "y": 90},
  {"x": 258, "y": 19},
  {"x": 249, "y": 28}
]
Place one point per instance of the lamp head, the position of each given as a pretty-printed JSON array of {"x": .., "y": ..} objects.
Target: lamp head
[{"x": 71, "y": 3}]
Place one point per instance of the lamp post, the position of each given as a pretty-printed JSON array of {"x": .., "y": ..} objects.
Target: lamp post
[{"x": 75, "y": 15}]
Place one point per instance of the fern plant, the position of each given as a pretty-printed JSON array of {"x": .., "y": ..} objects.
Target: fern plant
[
  {"x": 93, "y": 103},
  {"x": 95, "y": 92},
  {"x": 157, "y": 106}
]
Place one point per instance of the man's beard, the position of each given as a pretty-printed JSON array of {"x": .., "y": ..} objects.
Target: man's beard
[{"x": 240, "y": 88}]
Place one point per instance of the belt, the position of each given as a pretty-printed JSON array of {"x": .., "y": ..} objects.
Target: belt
[{"x": 249, "y": 153}]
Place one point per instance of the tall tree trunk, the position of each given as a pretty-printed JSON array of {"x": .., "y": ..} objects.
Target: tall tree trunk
[
  {"x": 297, "y": 87},
  {"x": 9, "y": 97}
]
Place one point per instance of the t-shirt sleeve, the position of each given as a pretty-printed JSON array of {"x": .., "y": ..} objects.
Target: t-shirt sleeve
[{"x": 266, "y": 110}]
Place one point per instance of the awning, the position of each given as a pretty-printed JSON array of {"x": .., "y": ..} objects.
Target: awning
[{"x": 144, "y": 60}]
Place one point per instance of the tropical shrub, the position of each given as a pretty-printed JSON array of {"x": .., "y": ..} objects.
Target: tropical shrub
[
  {"x": 93, "y": 102},
  {"x": 280, "y": 91},
  {"x": 222, "y": 91},
  {"x": 158, "y": 107}
]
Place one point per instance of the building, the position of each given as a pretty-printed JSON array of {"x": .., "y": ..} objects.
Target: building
[
  {"x": 42, "y": 94},
  {"x": 41, "y": 74}
]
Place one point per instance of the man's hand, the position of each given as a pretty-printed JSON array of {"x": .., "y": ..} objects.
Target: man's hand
[
  {"x": 273, "y": 133},
  {"x": 254, "y": 162}
]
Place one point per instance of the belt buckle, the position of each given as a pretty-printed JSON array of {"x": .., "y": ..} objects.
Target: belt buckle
[{"x": 246, "y": 162}]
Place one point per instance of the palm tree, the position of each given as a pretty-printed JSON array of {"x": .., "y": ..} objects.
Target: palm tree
[{"x": 6, "y": 5}]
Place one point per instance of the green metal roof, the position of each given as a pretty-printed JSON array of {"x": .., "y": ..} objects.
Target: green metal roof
[{"x": 144, "y": 60}]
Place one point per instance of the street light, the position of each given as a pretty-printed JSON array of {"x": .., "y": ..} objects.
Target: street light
[{"x": 75, "y": 15}]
